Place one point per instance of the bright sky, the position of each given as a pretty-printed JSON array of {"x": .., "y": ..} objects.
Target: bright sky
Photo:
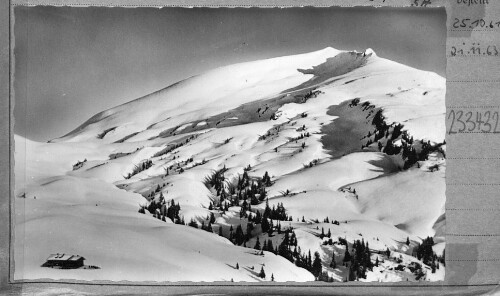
[{"x": 72, "y": 63}]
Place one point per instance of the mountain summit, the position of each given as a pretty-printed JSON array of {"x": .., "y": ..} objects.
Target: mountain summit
[{"x": 226, "y": 88}]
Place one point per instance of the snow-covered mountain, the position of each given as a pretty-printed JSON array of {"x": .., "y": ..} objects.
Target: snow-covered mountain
[{"x": 318, "y": 152}]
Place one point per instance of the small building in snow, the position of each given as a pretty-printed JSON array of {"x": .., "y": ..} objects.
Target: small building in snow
[{"x": 64, "y": 261}]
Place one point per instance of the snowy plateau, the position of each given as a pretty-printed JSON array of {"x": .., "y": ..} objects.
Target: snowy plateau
[{"x": 327, "y": 166}]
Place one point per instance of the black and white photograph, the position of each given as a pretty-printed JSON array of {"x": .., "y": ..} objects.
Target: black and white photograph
[{"x": 229, "y": 144}]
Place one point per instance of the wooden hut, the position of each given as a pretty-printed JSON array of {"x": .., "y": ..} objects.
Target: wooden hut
[{"x": 64, "y": 261}]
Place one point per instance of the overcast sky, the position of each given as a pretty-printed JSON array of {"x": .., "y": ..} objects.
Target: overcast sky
[{"x": 72, "y": 63}]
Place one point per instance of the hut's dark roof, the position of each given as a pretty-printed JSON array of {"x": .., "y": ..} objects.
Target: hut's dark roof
[{"x": 64, "y": 257}]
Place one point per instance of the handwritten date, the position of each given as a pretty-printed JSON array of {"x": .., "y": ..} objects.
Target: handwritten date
[
  {"x": 474, "y": 49},
  {"x": 468, "y": 23}
]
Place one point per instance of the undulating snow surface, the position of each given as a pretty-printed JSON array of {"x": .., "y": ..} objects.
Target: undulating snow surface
[{"x": 80, "y": 194}]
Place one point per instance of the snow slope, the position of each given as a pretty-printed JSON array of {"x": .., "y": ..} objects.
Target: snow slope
[
  {"x": 269, "y": 115},
  {"x": 87, "y": 216}
]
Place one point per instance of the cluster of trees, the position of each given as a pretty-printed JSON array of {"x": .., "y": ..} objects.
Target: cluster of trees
[
  {"x": 244, "y": 188},
  {"x": 79, "y": 164},
  {"x": 300, "y": 259},
  {"x": 266, "y": 246},
  {"x": 168, "y": 149},
  {"x": 411, "y": 151},
  {"x": 105, "y": 132},
  {"x": 217, "y": 181},
  {"x": 276, "y": 212},
  {"x": 323, "y": 235},
  {"x": 311, "y": 94},
  {"x": 244, "y": 192},
  {"x": 359, "y": 261},
  {"x": 266, "y": 219},
  {"x": 312, "y": 163},
  {"x": 354, "y": 102},
  {"x": 140, "y": 167},
  {"x": 269, "y": 133},
  {"x": 174, "y": 146},
  {"x": 312, "y": 265},
  {"x": 161, "y": 210},
  {"x": 327, "y": 220},
  {"x": 288, "y": 249},
  {"x": 302, "y": 136},
  {"x": 255, "y": 191},
  {"x": 154, "y": 192},
  {"x": 425, "y": 253},
  {"x": 194, "y": 224},
  {"x": 238, "y": 237}
]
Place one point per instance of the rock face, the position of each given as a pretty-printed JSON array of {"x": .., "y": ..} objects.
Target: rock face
[{"x": 334, "y": 150}]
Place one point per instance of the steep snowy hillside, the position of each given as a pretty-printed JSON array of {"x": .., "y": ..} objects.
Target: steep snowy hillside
[{"x": 328, "y": 165}]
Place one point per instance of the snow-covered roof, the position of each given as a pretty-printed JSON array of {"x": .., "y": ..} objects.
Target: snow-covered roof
[{"x": 64, "y": 257}]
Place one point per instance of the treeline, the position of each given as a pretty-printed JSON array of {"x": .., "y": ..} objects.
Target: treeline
[
  {"x": 139, "y": 168},
  {"x": 172, "y": 147},
  {"x": 385, "y": 136}
]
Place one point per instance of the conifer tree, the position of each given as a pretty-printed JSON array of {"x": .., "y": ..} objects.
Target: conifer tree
[
  {"x": 270, "y": 246},
  {"x": 257, "y": 244},
  {"x": 262, "y": 273},
  {"x": 249, "y": 231},
  {"x": 347, "y": 255},
  {"x": 333, "y": 264},
  {"x": 352, "y": 274},
  {"x": 239, "y": 237},
  {"x": 317, "y": 267},
  {"x": 237, "y": 265},
  {"x": 264, "y": 225},
  {"x": 270, "y": 230}
]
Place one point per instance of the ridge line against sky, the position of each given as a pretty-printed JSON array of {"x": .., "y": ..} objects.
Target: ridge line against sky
[{"x": 72, "y": 63}]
